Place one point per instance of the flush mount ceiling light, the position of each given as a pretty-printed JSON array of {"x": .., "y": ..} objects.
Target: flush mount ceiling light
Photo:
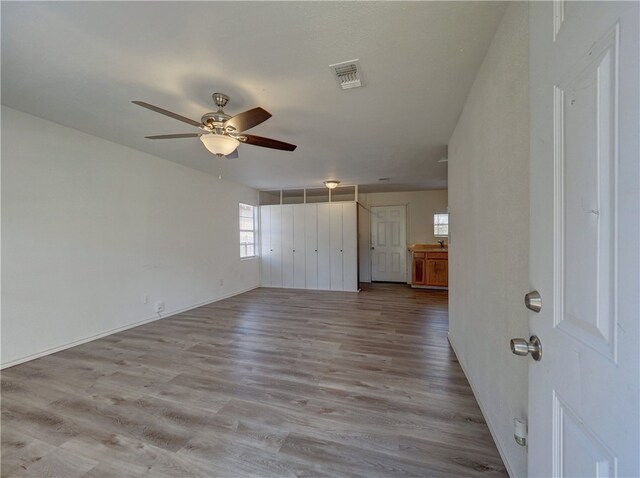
[
  {"x": 218, "y": 144},
  {"x": 331, "y": 184}
]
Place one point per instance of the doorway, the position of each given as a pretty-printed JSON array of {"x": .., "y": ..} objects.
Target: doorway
[{"x": 389, "y": 243}]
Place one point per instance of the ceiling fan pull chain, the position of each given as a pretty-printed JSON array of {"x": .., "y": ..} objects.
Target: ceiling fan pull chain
[{"x": 219, "y": 167}]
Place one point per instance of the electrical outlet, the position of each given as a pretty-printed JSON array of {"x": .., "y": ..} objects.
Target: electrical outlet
[
  {"x": 145, "y": 299},
  {"x": 221, "y": 282},
  {"x": 159, "y": 307}
]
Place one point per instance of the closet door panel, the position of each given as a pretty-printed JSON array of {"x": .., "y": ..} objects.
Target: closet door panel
[
  {"x": 276, "y": 246},
  {"x": 299, "y": 256},
  {"x": 336, "y": 246},
  {"x": 311, "y": 245},
  {"x": 350, "y": 246},
  {"x": 287, "y": 245},
  {"x": 324, "y": 247},
  {"x": 265, "y": 246}
]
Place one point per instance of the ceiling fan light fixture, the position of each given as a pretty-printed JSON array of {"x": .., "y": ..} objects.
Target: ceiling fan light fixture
[
  {"x": 332, "y": 183},
  {"x": 219, "y": 144}
]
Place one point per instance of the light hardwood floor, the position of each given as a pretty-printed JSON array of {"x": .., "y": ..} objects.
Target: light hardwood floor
[{"x": 273, "y": 382}]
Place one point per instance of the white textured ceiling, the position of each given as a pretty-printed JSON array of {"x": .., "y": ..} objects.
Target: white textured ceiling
[{"x": 81, "y": 63}]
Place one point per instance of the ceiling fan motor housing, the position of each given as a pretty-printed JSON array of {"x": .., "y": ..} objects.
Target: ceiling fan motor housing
[{"x": 214, "y": 120}]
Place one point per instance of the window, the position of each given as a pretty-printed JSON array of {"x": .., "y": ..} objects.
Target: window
[
  {"x": 441, "y": 224},
  {"x": 247, "y": 231}
]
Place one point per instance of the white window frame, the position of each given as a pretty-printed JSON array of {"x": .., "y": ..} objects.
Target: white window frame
[
  {"x": 437, "y": 224},
  {"x": 253, "y": 231}
]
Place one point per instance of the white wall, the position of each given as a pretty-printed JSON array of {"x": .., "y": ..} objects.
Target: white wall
[
  {"x": 489, "y": 235},
  {"x": 90, "y": 227},
  {"x": 421, "y": 206}
]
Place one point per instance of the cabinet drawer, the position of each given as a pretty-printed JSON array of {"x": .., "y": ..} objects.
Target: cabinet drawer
[
  {"x": 419, "y": 255},
  {"x": 438, "y": 255}
]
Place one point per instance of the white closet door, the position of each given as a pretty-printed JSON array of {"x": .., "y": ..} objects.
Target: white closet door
[
  {"x": 324, "y": 246},
  {"x": 265, "y": 246},
  {"x": 311, "y": 245},
  {"x": 287, "y": 245},
  {"x": 350, "y": 246},
  {"x": 276, "y": 246},
  {"x": 299, "y": 279},
  {"x": 337, "y": 281}
]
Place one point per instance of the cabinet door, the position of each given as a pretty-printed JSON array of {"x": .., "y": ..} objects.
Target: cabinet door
[
  {"x": 276, "y": 246},
  {"x": 287, "y": 245},
  {"x": 324, "y": 246},
  {"x": 299, "y": 238},
  {"x": 311, "y": 245},
  {"x": 337, "y": 280},
  {"x": 418, "y": 269},
  {"x": 265, "y": 246},
  {"x": 350, "y": 246},
  {"x": 437, "y": 272}
]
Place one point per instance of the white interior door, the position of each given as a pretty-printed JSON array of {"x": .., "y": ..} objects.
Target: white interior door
[
  {"x": 276, "y": 245},
  {"x": 299, "y": 255},
  {"x": 311, "y": 245},
  {"x": 350, "y": 246},
  {"x": 265, "y": 246},
  {"x": 337, "y": 280},
  {"x": 324, "y": 247},
  {"x": 389, "y": 243},
  {"x": 584, "y": 239},
  {"x": 287, "y": 245}
]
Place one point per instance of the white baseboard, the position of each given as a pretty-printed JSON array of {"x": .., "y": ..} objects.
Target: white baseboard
[
  {"x": 482, "y": 409},
  {"x": 116, "y": 330}
]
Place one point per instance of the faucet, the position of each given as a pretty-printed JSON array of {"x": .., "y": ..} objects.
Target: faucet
[{"x": 441, "y": 242}]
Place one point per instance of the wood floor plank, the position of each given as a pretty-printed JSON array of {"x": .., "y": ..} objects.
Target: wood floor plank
[{"x": 273, "y": 382}]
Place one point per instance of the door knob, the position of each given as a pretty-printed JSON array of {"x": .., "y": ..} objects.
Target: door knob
[
  {"x": 522, "y": 347},
  {"x": 372, "y": 248},
  {"x": 533, "y": 301}
]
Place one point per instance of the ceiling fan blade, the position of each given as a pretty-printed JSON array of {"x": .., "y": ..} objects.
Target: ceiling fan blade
[
  {"x": 248, "y": 119},
  {"x": 268, "y": 142},
  {"x": 233, "y": 155},
  {"x": 168, "y": 113},
  {"x": 173, "y": 136}
]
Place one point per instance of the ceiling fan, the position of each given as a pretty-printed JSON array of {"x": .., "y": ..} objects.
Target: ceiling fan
[{"x": 220, "y": 133}]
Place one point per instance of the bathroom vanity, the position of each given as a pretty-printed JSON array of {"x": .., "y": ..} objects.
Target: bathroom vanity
[{"x": 429, "y": 266}]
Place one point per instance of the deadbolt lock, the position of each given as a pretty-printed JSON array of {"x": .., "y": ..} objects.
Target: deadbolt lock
[
  {"x": 522, "y": 347},
  {"x": 533, "y": 301}
]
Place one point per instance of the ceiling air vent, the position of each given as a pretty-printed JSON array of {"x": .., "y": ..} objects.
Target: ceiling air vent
[{"x": 347, "y": 74}]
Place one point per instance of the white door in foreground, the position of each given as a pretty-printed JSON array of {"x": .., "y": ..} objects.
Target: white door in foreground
[{"x": 584, "y": 239}]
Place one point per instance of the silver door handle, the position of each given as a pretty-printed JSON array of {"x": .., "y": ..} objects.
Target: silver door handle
[{"x": 522, "y": 347}]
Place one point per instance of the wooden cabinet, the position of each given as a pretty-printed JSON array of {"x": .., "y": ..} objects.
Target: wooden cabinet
[
  {"x": 430, "y": 269},
  {"x": 419, "y": 269},
  {"x": 438, "y": 272}
]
